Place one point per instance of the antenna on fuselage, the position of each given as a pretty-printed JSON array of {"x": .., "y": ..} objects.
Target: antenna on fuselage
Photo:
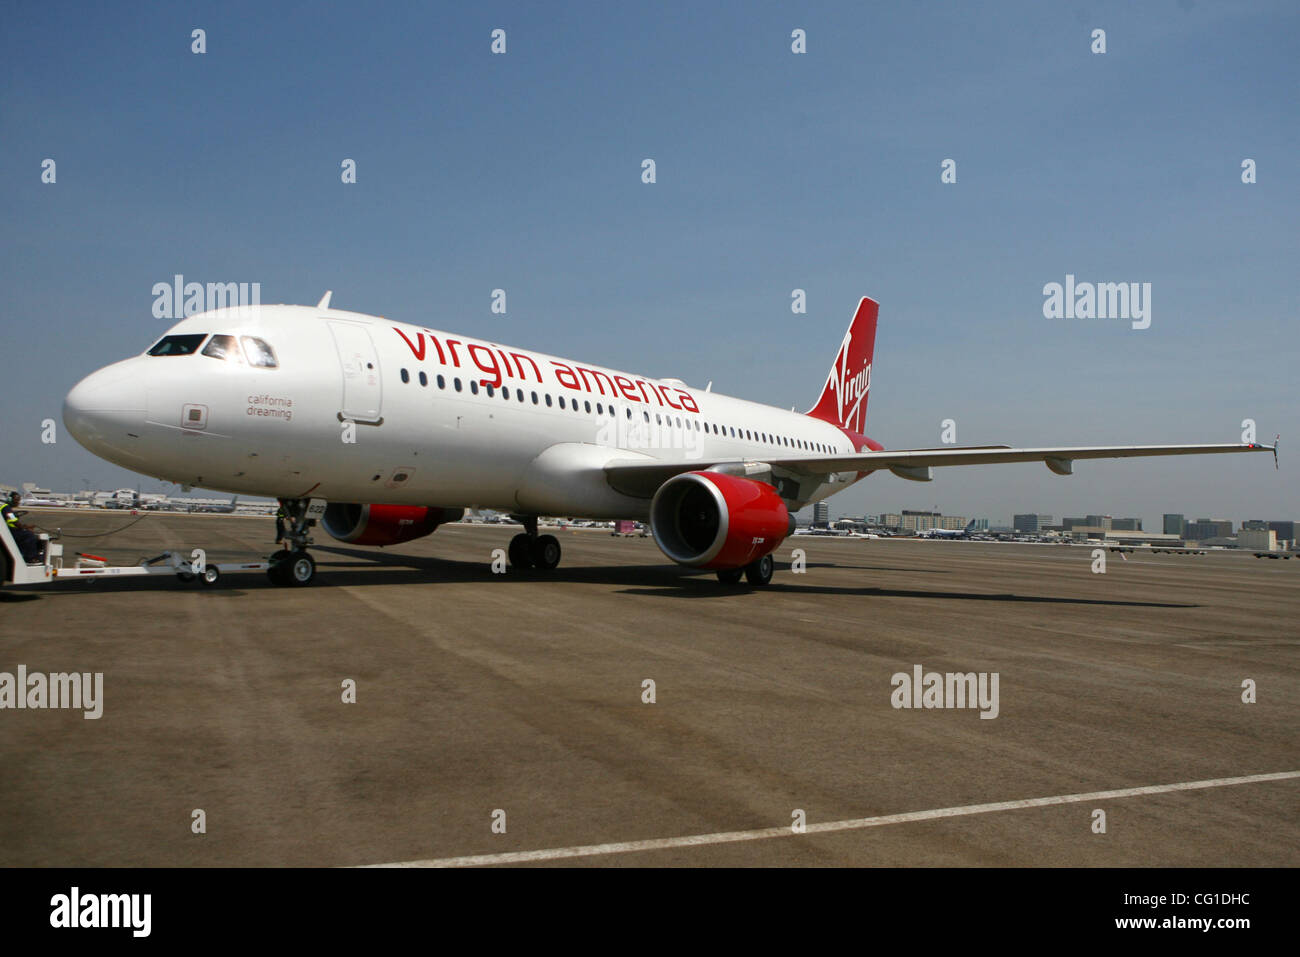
[{"x": 325, "y": 299}]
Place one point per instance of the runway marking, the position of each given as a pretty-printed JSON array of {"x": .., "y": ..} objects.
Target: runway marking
[{"x": 728, "y": 837}]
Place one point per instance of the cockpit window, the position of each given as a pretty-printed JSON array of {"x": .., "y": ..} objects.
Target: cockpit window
[
  {"x": 177, "y": 345},
  {"x": 259, "y": 353},
  {"x": 223, "y": 347}
]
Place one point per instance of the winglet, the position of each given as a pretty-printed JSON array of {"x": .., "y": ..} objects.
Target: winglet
[{"x": 325, "y": 299}]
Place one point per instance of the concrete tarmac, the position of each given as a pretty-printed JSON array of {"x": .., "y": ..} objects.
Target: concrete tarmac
[{"x": 522, "y": 693}]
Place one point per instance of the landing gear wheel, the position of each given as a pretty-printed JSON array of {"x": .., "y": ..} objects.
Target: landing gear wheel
[
  {"x": 279, "y": 570},
  {"x": 211, "y": 575},
  {"x": 546, "y": 552},
  {"x": 521, "y": 552},
  {"x": 302, "y": 569},
  {"x": 730, "y": 576},
  {"x": 760, "y": 572}
]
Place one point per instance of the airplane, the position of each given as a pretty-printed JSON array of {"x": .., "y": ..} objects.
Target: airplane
[
  {"x": 950, "y": 532},
  {"x": 34, "y": 501},
  {"x": 385, "y": 430},
  {"x": 225, "y": 509}
]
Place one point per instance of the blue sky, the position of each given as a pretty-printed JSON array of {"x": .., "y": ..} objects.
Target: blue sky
[{"x": 775, "y": 171}]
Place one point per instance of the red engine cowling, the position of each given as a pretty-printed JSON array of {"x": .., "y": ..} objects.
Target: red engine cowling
[
  {"x": 714, "y": 520},
  {"x": 384, "y": 524}
]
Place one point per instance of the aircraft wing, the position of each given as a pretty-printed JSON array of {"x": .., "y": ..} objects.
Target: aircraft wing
[{"x": 914, "y": 464}]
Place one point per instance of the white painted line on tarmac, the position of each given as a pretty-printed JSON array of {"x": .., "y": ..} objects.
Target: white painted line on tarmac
[{"x": 729, "y": 837}]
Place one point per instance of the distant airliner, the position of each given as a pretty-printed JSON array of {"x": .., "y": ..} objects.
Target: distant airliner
[{"x": 387, "y": 430}]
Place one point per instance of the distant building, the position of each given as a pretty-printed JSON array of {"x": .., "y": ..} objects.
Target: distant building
[
  {"x": 981, "y": 524},
  {"x": 1031, "y": 524},
  {"x": 1257, "y": 539},
  {"x": 915, "y": 521},
  {"x": 821, "y": 515},
  {"x": 953, "y": 522},
  {"x": 1204, "y": 528},
  {"x": 1099, "y": 521},
  {"x": 1127, "y": 524},
  {"x": 1285, "y": 530},
  {"x": 1173, "y": 523}
]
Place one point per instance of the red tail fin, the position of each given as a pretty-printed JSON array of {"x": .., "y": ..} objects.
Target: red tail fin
[{"x": 844, "y": 400}]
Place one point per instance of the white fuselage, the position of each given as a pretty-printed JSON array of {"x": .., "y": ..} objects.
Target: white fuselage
[{"x": 361, "y": 409}]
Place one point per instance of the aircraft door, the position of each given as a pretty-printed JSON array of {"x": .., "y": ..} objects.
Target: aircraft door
[{"x": 362, "y": 384}]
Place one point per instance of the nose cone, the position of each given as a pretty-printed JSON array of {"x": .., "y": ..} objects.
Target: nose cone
[{"x": 106, "y": 410}]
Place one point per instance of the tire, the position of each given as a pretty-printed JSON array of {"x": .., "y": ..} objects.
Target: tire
[
  {"x": 520, "y": 552},
  {"x": 760, "y": 572},
  {"x": 278, "y": 572},
  {"x": 211, "y": 575},
  {"x": 545, "y": 552},
  {"x": 730, "y": 576},
  {"x": 301, "y": 569}
]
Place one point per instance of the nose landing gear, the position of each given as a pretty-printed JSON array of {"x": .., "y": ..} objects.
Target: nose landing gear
[
  {"x": 292, "y": 565},
  {"x": 530, "y": 550}
]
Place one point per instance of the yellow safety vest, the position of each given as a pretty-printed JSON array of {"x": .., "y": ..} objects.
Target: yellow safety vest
[{"x": 10, "y": 518}]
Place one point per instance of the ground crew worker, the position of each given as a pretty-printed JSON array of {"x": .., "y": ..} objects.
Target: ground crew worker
[
  {"x": 28, "y": 544},
  {"x": 280, "y": 516}
]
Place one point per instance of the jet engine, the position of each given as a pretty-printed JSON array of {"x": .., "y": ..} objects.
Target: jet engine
[
  {"x": 384, "y": 524},
  {"x": 720, "y": 521}
]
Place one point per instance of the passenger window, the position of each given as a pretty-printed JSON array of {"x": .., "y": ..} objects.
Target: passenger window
[
  {"x": 424, "y": 379},
  {"x": 490, "y": 392},
  {"x": 223, "y": 347},
  {"x": 548, "y": 400},
  {"x": 259, "y": 354},
  {"x": 473, "y": 386},
  {"x": 588, "y": 405},
  {"x": 534, "y": 398},
  {"x": 561, "y": 402},
  {"x": 442, "y": 383},
  {"x": 456, "y": 383},
  {"x": 519, "y": 394},
  {"x": 406, "y": 376},
  {"x": 177, "y": 345}
]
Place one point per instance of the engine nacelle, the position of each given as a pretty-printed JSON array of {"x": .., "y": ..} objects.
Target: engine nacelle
[
  {"x": 384, "y": 524},
  {"x": 714, "y": 520}
]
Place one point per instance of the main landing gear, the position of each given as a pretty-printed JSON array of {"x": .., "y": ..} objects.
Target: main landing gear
[
  {"x": 530, "y": 550},
  {"x": 756, "y": 573},
  {"x": 292, "y": 565}
]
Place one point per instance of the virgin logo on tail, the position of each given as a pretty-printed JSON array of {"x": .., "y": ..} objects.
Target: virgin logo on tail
[
  {"x": 843, "y": 401},
  {"x": 850, "y": 386}
]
